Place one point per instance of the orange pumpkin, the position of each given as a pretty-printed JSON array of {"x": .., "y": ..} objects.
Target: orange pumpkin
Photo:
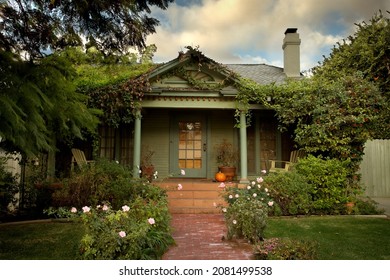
[{"x": 220, "y": 177}]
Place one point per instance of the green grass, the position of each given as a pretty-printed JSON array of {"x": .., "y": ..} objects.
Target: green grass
[
  {"x": 338, "y": 237},
  {"x": 41, "y": 241}
]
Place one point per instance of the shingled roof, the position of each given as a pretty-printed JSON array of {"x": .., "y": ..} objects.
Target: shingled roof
[{"x": 260, "y": 73}]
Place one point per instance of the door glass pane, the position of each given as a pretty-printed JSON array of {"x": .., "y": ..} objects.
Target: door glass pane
[{"x": 190, "y": 144}]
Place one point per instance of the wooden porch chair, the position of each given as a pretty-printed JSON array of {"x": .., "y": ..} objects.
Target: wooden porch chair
[
  {"x": 284, "y": 166},
  {"x": 78, "y": 157}
]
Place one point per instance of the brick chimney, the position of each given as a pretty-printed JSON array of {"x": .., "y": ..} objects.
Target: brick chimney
[{"x": 291, "y": 44}]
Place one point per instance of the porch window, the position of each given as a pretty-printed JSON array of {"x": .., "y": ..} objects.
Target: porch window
[
  {"x": 265, "y": 142},
  {"x": 116, "y": 143},
  {"x": 107, "y": 142},
  {"x": 190, "y": 145}
]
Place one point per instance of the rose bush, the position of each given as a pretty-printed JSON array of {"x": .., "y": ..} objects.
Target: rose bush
[
  {"x": 137, "y": 231},
  {"x": 247, "y": 210}
]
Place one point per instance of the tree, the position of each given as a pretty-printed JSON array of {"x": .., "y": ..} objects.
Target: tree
[
  {"x": 39, "y": 104},
  {"x": 366, "y": 52},
  {"x": 330, "y": 117},
  {"x": 39, "y": 101},
  {"x": 36, "y": 27}
]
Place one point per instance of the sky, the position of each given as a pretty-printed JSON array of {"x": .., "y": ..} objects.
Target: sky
[{"x": 252, "y": 31}]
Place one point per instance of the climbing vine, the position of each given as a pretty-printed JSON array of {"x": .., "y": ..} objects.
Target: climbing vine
[
  {"x": 119, "y": 102},
  {"x": 329, "y": 117},
  {"x": 113, "y": 84}
]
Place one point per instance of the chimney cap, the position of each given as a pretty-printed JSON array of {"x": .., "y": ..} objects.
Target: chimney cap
[{"x": 291, "y": 30}]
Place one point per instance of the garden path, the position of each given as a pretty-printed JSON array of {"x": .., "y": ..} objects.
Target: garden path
[{"x": 202, "y": 237}]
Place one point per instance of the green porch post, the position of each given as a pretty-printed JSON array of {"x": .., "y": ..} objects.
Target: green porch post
[
  {"x": 243, "y": 149},
  {"x": 137, "y": 145}
]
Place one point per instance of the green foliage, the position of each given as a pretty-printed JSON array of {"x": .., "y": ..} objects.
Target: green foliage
[
  {"x": 40, "y": 104},
  {"x": 247, "y": 210},
  {"x": 365, "y": 52},
  {"x": 33, "y": 27},
  {"x": 246, "y": 219},
  {"x": 366, "y": 206},
  {"x": 253, "y": 191},
  {"x": 99, "y": 191},
  {"x": 334, "y": 118},
  {"x": 8, "y": 186},
  {"x": 316, "y": 185},
  {"x": 290, "y": 192},
  {"x": 139, "y": 231},
  {"x": 328, "y": 178},
  {"x": 285, "y": 249},
  {"x": 113, "y": 84},
  {"x": 104, "y": 181}
]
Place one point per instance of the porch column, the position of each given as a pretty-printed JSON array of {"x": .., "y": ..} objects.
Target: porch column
[
  {"x": 243, "y": 149},
  {"x": 137, "y": 145}
]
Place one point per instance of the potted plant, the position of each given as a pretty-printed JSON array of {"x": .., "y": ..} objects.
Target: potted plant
[
  {"x": 147, "y": 167},
  {"x": 227, "y": 157}
]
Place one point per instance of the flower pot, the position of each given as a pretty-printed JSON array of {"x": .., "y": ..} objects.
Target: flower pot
[
  {"x": 147, "y": 172},
  {"x": 229, "y": 171}
]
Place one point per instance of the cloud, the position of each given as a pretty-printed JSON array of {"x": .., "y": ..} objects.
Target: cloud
[{"x": 252, "y": 31}]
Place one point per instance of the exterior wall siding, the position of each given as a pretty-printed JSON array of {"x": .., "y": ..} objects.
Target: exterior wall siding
[
  {"x": 221, "y": 126},
  {"x": 155, "y": 134},
  {"x": 375, "y": 168}
]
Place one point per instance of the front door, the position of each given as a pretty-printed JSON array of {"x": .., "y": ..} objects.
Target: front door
[{"x": 188, "y": 146}]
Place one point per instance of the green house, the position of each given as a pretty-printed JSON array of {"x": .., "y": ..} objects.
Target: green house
[{"x": 191, "y": 107}]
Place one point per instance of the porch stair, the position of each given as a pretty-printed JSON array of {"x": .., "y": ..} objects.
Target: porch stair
[{"x": 195, "y": 197}]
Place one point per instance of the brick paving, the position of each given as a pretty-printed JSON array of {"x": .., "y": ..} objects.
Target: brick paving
[{"x": 201, "y": 237}]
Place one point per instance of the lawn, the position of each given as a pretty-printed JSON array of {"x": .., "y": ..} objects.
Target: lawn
[
  {"x": 338, "y": 237},
  {"x": 41, "y": 241}
]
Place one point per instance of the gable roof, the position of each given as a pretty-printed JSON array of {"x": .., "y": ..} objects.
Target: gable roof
[{"x": 260, "y": 73}]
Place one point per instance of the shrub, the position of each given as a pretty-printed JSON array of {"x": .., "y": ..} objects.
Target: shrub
[
  {"x": 104, "y": 181},
  {"x": 329, "y": 182},
  {"x": 246, "y": 219},
  {"x": 291, "y": 193},
  {"x": 138, "y": 231},
  {"x": 247, "y": 210},
  {"x": 285, "y": 249},
  {"x": 367, "y": 206},
  {"x": 253, "y": 191}
]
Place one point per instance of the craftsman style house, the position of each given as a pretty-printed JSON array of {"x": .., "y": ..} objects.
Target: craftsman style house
[{"x": 192, "y": 107}]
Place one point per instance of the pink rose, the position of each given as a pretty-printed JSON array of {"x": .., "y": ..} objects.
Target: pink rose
[
  {"x": 86, "y": 209},
  {"x": 125, "y": 208},
  {"x": 151, "y": 221},
  {"x": 122, "y": 234},
  {"x": 260, "y": 180},
  {"x": 179, "y": 187},
  {"x": 270, "y": 203},
  {"x": 73, "y": 210}
]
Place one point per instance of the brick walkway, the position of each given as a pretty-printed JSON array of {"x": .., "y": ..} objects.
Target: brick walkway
[{"x": 200, "y": 237}]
